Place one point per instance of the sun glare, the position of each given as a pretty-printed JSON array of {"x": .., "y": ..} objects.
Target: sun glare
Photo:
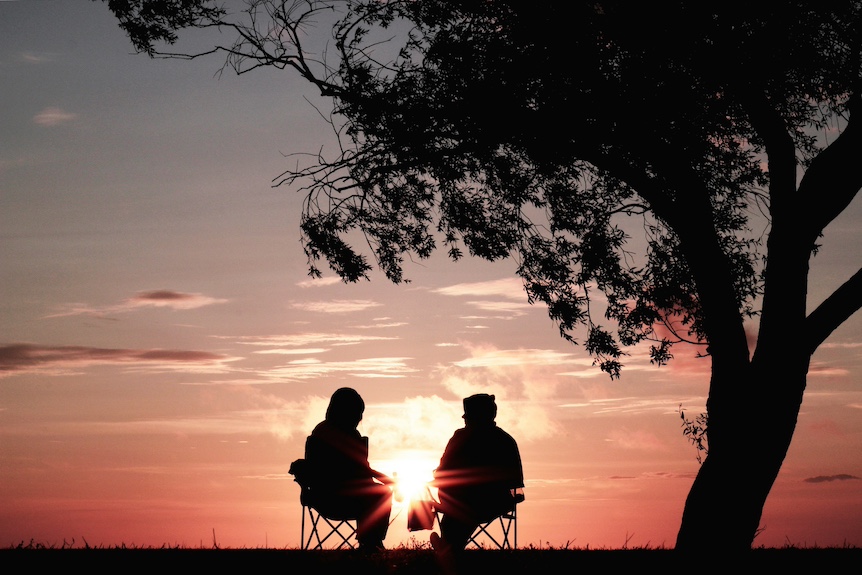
[{"x": 412, "y": 475}]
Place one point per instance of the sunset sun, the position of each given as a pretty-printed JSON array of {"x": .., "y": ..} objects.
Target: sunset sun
[{"x": 412, "y": 475}]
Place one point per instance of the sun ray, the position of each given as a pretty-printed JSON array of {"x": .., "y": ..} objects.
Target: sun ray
[{"x": 412, "y": 472}]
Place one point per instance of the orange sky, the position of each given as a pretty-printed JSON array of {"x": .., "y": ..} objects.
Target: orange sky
[{"x": 163, "y": 354}]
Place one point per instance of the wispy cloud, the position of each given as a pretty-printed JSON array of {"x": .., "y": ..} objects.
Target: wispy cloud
[
  {"x": 491, "y": 357},
  {"x": 171, "y": 299},
  {"x": 631, "y": 405},
  {"x": 839, "y": 345},
  {"x": 513, "y": 304},
  {"x": 319, "y": 282},
  {"x": 162, "y": 298},
  {"x": 510, "y": 288},
  {"x": 637, "y": 440},
  {"x": 297, "y": 351},
  {"x": 23, "y": 358},
  {"x": 33, "y": 58},
  {"x": 381, "y": 325},
  {"x": 312, "y": 368},
  {"x": 336, "y": 306},
  {"x": 307, "y": 339},
  {"x": 830, "y": 478},
  {"x": 53, "y": 116},
  {"x": 821, "y": 369},
  {"x": 508, "y": 307}
]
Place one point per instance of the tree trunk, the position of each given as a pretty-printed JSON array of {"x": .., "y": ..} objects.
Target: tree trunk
[{"x": 748, "y": 441}]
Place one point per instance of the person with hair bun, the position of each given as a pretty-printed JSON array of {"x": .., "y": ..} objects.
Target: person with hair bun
[{"x": 342, "y": 483}]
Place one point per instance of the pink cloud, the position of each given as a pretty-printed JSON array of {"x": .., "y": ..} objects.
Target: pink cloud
[
  {"x": 20, "y": 358},
  {"x": 637, "y": 440},
  {"x": 172, "y": 299},
  {"x": 53, "y": 116},
  {"x": 830, "y": 478},
  {"x": 154, "y": 298}
]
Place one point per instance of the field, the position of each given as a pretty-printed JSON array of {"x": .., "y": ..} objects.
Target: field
[{"x": 418, "y": 560}]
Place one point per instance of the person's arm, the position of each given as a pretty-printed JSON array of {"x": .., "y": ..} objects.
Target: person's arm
[{"x": 381, "y": 477}]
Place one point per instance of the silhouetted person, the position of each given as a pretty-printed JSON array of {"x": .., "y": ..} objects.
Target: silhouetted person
[
  {"x": 342, "y": 483},
  {"x": 478, "y": 472}
]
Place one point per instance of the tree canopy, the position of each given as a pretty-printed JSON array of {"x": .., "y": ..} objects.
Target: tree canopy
[{"x": 679, "y": 158}]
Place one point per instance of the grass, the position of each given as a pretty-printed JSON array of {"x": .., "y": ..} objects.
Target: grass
[{"x": 418, "y": 559}]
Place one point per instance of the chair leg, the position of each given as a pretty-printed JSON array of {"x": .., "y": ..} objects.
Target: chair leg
[
  {"x": 508, "y": 525},
  {"x": 314, "y": 532},
  {"x": 335, "y": 529}
]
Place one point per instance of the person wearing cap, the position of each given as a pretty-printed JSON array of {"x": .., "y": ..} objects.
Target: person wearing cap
[
  {"x": 478, "y": 472},
  {"x": 343, "y": 484}
]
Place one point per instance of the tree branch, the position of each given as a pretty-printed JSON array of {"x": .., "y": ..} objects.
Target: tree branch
[
  {"x": 834, "y": 310},
  {"x": 832, "y": 180}
]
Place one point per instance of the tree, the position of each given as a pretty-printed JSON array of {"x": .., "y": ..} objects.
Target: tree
[{"x": 548, "y": 132}]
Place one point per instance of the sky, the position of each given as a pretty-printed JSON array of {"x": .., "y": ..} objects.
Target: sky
[{"x": 163, "y": 352}]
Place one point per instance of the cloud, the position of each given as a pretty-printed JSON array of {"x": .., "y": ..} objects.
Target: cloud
[
  {"x": 311, "y": 368},
  {"x": 491, "y": 357},
  {"x": 845, "y": 345},
  {"x": 307, "y": 339},
  {"x": 32, "y": 58},
  {"x": 287, "y": 419},
  {"x": 320, "y": 282},
  {"x": 336, "y": 306},
  {"x": 830, "y": 478},
  {"x": 298, "y": 351},
  {"x": 171, "y": 299},
  {"x": 821, "y": 369},
  {"x": 381, "y": 325},
  {"x": 524, "y": 382},
  {"x": 628, "y": 405},
  {"x": 162, "y": 298},
  {"x": 416, "y": 424},
  {"x": 418, "y": 427},
  {"x": 53, "y": 116},
  {"x": 21, "y": 358},
  {"x": 636, "y": 440},
  {"x": 510, "y": 288},
  {"x": 508, "y": 307}
]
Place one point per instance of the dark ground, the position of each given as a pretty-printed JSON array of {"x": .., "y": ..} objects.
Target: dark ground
[{"x": 423, "y": 561}]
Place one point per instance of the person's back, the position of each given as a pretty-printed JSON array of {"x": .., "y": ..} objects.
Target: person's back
[
  {"x": 341, "y": 483},
  {"x": 477, "y": 473},
  {"x": 338, "y": 458},
  {"x": 478, "y": 470}
]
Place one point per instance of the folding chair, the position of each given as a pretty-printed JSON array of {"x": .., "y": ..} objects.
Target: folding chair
[
  {"x": 321, "y": 529},
  {"x": 506, "y": 537}
]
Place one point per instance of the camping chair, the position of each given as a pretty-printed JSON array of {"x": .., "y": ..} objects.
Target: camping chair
[
  {"x": 506, "y": 537},
  {"x": 321, "y": 527}
]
